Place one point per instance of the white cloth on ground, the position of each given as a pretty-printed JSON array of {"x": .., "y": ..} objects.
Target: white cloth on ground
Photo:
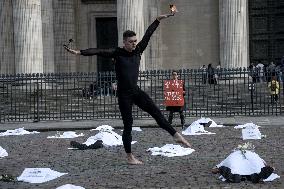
[
  {"x": 170, "y": 150},
  {"x": 3, "y": 152},
  {"x": 19, "y": 131},
  {"x": 109, "y": 138},
  {"x": 67, "y": 134},
  {"x": 103, "y": 127},
  {"x": 196, "y": 129},
  {"x": 245, "y": 164},
  {"x": 207, "y": 120},
  {"x": 246, "y": 125},
  {"x": 251, "y": 132},
  {"x": 69, "y": 186},
  {"x": 272, "y": 177},
  {"x": 136, "y": 129},
  {"x": 39, "y": 175}
]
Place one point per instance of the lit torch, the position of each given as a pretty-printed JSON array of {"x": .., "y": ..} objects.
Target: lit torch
[{"x": 173, "y": 9}]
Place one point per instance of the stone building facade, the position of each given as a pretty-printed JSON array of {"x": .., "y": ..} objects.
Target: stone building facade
[{"x": 32, "y": 33}]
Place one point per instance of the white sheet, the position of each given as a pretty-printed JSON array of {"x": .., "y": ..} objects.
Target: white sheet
[
  {"x": 70, "y": 186},
  {"x": 103, "y": 127},
  {"x": 272, "y": 177},
  {"x": 196, "y": 129},
  {"x": 170, "y": 150},
  {"x": 19, "y": 131},
  {"x": 136, "y": 129},
  {"x": 243, "y": 165},
  {"x": 246, "y": 164},
  {"x": 67, "y": 134},
  {"x": 39, "y": 175},
  {"x": 109, "y": 138},
  {"x": 251, "y": 132},
  {"x": 246, "y": 125},
  {"x": 206, "y": 120},
  {"x": 3, "y": 152}
]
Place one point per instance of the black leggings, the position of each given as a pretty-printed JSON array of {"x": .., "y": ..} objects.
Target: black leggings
[
  {"x": 143, "y": 101},
  {"x": 181, "y": 115}
]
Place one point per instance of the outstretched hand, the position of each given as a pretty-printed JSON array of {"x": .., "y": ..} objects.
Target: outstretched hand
[
  {"x": 72, "y": 51},
  {"x": 173, "y": 10},
  {"x": 164, "y": 16}
]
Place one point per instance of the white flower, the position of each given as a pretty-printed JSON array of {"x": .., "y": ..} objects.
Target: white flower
[{"x": 244, "y": 147}]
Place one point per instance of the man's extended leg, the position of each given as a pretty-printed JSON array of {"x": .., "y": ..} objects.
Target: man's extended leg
[
  {"x": 125, "y": 103},
  {"x": 143, "y": 101}
]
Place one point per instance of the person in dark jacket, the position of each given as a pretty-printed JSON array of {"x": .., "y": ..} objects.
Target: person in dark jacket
[
  {"x": 127, "y": 62},
  {"x": 211, "y": 75}
]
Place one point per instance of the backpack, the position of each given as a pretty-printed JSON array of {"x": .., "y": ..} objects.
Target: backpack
[{"x": 273, "y": 86}]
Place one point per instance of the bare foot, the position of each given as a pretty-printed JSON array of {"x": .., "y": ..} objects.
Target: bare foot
[
  {"x": 179, "y": 139},
  {"x": 132, "y": 160}
]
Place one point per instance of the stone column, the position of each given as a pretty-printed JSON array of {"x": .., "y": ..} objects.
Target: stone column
[
  {"x": 130, "y": 17},
  {"x": 47, "y": 36},
  {"x": 64, "y": 29},
  {"x": 28, "y": 36},
  {"x": 234, "y": 44},
  {"x": 7, "y": 59},
  {"x": 152, "y": 52}
]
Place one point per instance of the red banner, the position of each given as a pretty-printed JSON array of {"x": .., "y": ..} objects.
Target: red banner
[{"x": 173, "y": 92}]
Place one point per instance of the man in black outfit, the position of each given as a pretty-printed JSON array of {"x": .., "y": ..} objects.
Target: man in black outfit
[{"x": 127, "y": 62}]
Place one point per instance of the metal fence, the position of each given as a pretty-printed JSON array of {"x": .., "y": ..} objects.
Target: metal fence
[{"x": 82, "y": 96}]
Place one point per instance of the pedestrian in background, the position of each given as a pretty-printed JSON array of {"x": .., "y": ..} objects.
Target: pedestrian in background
[
  {"x": 274, "y": 88},
  {"x": 178, "y": 109},
  {"x": 211, "y": 75}
]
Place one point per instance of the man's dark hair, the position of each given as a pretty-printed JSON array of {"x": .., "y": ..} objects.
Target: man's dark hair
[{"x": 128, "y": 33}]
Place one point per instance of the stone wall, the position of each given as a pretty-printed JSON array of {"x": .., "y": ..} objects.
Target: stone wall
[{"x": 190, "y": 38}]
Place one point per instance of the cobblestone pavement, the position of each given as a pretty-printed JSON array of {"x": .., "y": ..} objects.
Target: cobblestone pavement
[{"x": 107, "y": 168}]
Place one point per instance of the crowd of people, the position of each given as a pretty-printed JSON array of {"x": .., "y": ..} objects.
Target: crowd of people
[
  {"x": 271, "y": 73},
  {"x": 260, "y": 72}
]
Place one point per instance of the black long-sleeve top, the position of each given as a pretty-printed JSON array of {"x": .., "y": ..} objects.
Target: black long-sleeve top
[{"x": 126, "y": 63}]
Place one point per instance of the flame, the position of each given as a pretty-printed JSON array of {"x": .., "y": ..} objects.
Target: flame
[{"x": 173, "y": 9}]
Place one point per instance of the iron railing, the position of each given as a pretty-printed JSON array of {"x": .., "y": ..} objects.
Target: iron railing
[{"x": 82, "y": 96}]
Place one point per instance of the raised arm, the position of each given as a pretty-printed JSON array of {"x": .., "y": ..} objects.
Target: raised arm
[
  {"x": 92, "y": 51},
  {"x": 146, "y": 38},
  {"x": 72, "y": 51}
]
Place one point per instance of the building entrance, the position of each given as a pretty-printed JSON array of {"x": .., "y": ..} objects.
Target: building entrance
[
  {"x": 266, "y": 31},
  {"x": 106, "y": 29}
]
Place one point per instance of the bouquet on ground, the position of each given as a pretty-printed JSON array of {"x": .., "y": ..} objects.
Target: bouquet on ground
[{"x": 244, "y": 147}]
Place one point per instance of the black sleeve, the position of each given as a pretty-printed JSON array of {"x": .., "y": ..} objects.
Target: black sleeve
[
  {"x": 100, "y": 52},
  {"x": 144, "y": 42}
]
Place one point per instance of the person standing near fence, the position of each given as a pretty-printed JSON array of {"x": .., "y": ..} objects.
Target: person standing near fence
[
  {"x": 211, "y": 75},
  {"x": 127, "y": 61},
  {"x": 274, "y": 88},
  {"x": 203, "y": 69},
  {"x": 178, "y": 109}
]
